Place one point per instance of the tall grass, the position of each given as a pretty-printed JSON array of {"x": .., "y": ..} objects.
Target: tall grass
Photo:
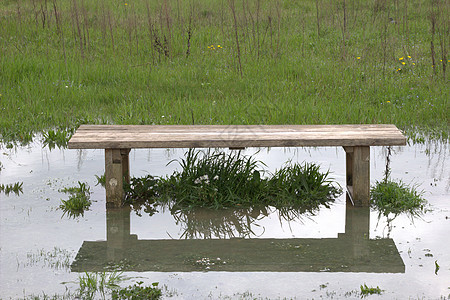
[
  {"x": 218, "y": 180},
  {"x": 279, "y": 62}
]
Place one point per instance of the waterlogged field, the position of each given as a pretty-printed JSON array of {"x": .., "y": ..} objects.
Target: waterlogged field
[
  {"x": 253, "y": 253},
  {"x": 68, "y": 62}
]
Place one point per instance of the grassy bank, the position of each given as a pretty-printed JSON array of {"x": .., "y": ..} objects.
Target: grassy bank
[{"x": 66, "y": 62}]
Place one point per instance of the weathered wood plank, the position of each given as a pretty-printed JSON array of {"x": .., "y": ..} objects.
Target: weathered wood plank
[
  {"x": 235, "y": 136},
  {"x": 361, "y": 176},
  {"x": 114, "y": 177}
]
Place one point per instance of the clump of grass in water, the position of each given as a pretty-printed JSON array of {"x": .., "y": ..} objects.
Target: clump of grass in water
[
  {"x": 137, "y": 291},
  {"x": 15, "y": 188},
  {"x": 397, "y": 197},
  {"x": 78, "y": 201},
  {"x": 216, "y": 181},
  {"x": 220, "y": 180},
  {"x": 302, "y": 185},
  {"x": 56, "y": 138},
  {"x": 101, "y": 180},
  {"x": 142, "y": 193},
  {"x": 103, "y": 283},
  {"x": 365, "y": 290}
]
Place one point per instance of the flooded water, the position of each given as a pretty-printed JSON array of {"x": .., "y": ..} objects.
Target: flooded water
[{"x": 236, "y": 254}]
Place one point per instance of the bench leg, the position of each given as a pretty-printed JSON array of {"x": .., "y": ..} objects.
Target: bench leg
[
  {"x": 358, "y": 175},
  {"x": 116, "y": 171}
]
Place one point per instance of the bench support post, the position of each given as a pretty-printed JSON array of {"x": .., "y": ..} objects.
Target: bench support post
[
  {"x": 117, "y": 170},
  {"x": 358, "y": 175}
]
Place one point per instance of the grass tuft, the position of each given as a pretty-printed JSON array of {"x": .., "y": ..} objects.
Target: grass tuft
[
  {"x": 78, "y": 202},
  {"x": 137, "y": 291},
  {"x": 220, "y": 180},
  {"x": 397, "y": 197},
  {"x": 15, "y": 188},
  {"x": 56, "y": 138},
  {"x": 365, "y": 290}
]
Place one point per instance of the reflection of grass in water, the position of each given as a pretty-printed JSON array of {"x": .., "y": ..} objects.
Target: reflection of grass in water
[
  {"x": 78, "y": 201},
  {"x": 396, "y": 197},
  {"x": 207, "y": 223},
  {"x": 56, "y": 259}
]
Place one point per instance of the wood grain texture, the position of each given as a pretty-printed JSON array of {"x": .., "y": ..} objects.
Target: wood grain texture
[{"x": 234, "y": 136}]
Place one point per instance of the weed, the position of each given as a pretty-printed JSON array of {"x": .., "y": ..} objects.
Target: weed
[
  {"x": 101, "y": 180},
  {"x": 302, "y": 185},
  {"x": 141, "y": 194},
  {"x": 214, "y": 180},
  {"x": 137, "y": 291},
  {"x": 78, "y": 201},
  {"x": 15, "y": 188},
  {"x": 397, "y": 197},
  {"x": 218, "y": 180},
  {"x": 92, "y": 284},
  {"x": 365, "y": 290},
  {"x": 58, "y": 138}
]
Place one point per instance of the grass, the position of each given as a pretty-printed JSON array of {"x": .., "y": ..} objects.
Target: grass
[
  {"x": 66, "y": 63},
  {"x": 137, "y": 292},
  {"x": 56, "y": 138},
  {"x": 397, "y": 197},
  {"x": 365, "y": 290},
  {"x": 93, "y": 284},
  {"x": 217, "y": 180},
  {"x": 15, "y": 188},
  {"x": 78, "y": 202}
]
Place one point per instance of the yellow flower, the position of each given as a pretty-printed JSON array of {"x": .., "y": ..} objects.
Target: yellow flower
[
  {"x": 388, "y": 101},
  {"x": 358, "y": 57},
  {"x": 218, "y": 46},
  {"x": 401, "y": 58},
  {"x": 126, "y": 3},
  {"x": 403, "y": 63},
  {"x": 414, "y": 64},
  {"x": 409, "y": 56}
]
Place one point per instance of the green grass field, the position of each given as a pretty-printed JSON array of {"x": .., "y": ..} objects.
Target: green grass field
[{"x": 67, "y": 62}]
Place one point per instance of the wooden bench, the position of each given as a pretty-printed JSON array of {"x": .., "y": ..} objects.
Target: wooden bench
[{"x": 117, "y": 140}]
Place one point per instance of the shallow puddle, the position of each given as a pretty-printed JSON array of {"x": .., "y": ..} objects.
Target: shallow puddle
[{"x": 239, "y": 254}]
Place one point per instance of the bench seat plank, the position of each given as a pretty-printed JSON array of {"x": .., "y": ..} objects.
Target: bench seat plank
[{"x": 211, "y": 136}]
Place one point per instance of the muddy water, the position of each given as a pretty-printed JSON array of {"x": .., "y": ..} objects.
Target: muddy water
[{"x": 242, "y": 254}]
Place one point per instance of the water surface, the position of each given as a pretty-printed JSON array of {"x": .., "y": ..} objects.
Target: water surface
[{"x": 258, "y": 253}]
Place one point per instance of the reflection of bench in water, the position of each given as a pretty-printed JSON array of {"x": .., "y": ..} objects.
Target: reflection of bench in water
[
  {"x": 118, "y": 140},
  {"x": 350, "y": 252}
]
